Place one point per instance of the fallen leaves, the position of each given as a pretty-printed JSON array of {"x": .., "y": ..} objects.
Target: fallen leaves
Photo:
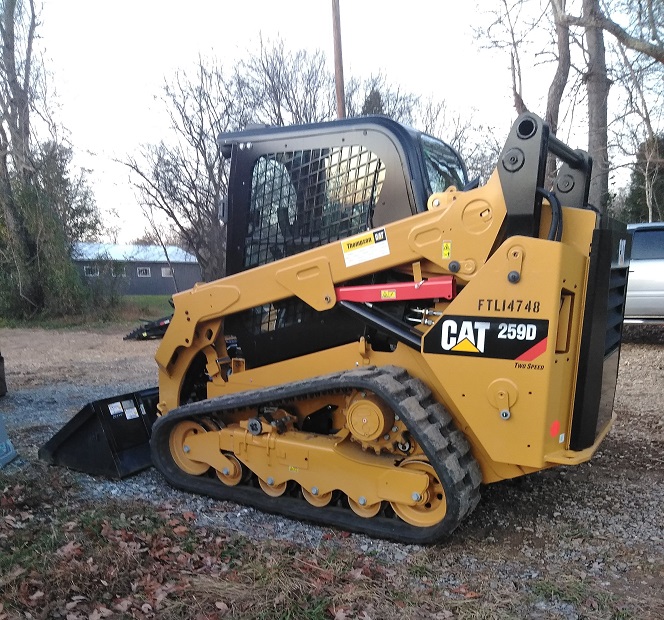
[
  {"x": 93, "y": 564},
  {"x": 465, "y": 592},
  {"x": 18, "y": 520},
  {"x": 71, "y": 550},
  {"x": 222, "y": 607},
  {"x": 11, "y": 576}
]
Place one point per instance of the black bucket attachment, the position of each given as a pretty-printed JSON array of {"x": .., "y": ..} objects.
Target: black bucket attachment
[
  {"x": 150, "y": 330},
  {"x": 108, "y": 437}
]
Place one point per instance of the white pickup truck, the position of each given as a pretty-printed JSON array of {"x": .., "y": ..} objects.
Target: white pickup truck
[{"x": 645, "y": 287}]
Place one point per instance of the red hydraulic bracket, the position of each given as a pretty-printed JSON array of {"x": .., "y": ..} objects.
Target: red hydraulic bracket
[{"x": 442, "y": 287}]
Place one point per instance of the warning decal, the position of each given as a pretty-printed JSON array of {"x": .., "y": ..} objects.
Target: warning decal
[
  {"x": 365, "y": 247},
  {"x": 115, "y": 409},
  {"x": 511, "y": 339},
  {"x": 125, "y": 408}
]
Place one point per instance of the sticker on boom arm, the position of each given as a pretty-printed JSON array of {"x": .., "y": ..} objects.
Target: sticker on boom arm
[
  {"x": 365, "y": 247},
  {"x": 509, "y": 339}
]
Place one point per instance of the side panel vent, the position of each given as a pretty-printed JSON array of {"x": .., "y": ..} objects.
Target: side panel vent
[{"x": 602, "y": 333}]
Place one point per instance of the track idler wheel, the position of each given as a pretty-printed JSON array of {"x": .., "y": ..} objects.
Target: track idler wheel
[
  {"x": 430, "y": 509},
  {"x": 179, "y": 448}
]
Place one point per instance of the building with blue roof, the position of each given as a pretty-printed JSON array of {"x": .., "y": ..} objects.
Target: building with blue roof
[{"x": 136, "y": 269}]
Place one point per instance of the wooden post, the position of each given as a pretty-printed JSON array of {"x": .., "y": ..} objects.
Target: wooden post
[{"x": 338, "y": 61}]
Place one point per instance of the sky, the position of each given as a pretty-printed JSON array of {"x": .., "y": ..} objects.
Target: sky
[{"x": 109, "y": 62}]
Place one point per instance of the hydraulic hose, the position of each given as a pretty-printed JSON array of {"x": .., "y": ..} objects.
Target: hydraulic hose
[{"x": 556, "y": 228}]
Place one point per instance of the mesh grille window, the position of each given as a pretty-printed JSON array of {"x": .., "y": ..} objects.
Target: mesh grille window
[{"x": 304, "y": 199}]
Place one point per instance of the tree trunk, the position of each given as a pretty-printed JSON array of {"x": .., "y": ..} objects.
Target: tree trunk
[
  {"x": 16, "y": 75},
  {"x": 597, "y": 86},
  {"x": 559, "y": 82},
  {"x": 17, "y": 242}
]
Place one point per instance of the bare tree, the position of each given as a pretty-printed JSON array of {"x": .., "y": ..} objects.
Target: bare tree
[
  {"x": 646, "y": 39},
  {"x": 597, "y": 86},
  {"x": 185, "y": 178},
  {"x": 561, "y": 76},
  {"x": 281, "y": 87},
  {"x": 641, "y": 118},
  {"x": 375, "y": 95},
  {"x": 155, "y": 235},
  {"x": 643, "y": 36},
  {"x": 509, "y": 30},
  {"x": 587, "y": 28},
  {"x": 160, "y": 239},
  {"x": 645, "y": 201},
  {"x": 645, "y": 105}
]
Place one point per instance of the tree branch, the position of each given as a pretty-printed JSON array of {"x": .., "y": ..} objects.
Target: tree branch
[{"x": 599, "y": 20}]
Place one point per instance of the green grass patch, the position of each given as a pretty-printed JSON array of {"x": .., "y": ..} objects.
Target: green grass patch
[
  {"x": 584, "y": 595},
  {"x": 30, "y": 548},
  {"x": 567, "y": 591},
  {"x": 129, "y": 310},
  {"x": 147, "y": 306},
  {"x": 140, "y": 519}
]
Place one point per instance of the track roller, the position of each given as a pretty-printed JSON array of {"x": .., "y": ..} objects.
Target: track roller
[
  {"x": 316, "y": 499},
  {"x": 273, "y": 490},
  {"x": 363, "y": 510},
  {"x": 231, "y": 477}
]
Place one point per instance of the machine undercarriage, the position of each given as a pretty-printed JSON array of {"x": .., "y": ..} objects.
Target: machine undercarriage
[{"x": 366, "y": 450}]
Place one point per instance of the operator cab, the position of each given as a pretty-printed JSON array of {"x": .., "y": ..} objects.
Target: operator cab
[{"x": 288, "y": 195}]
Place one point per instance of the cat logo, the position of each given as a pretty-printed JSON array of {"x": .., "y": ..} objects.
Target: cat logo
[
  {"x": 469, "y": 336},
  {"x": 505, "y": 338}
]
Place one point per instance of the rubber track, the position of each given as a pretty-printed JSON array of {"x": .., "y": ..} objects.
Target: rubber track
[{"x": 428, "y": 422}]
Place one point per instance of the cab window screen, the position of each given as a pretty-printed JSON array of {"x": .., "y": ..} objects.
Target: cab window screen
[
  {"x": 305, "y": 199},
  {"x": 648, "y": 244}
]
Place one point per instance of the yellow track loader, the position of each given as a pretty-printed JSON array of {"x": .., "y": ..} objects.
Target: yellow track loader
[{"x": 389, "y": 337}]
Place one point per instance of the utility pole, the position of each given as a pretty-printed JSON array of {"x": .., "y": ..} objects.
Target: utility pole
[{"x": 338, "y": 61}]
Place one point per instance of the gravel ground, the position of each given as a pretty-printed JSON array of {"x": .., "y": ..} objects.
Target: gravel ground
[{"x": 601, "y": 522}]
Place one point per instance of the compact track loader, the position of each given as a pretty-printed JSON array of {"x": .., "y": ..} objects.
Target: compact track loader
[{"x": 389, "y": 336}]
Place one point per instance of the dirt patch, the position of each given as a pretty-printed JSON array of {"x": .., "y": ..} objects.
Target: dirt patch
[
  {"x": 40, "y": 357},
  {"x": 579, "y": 542}
]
